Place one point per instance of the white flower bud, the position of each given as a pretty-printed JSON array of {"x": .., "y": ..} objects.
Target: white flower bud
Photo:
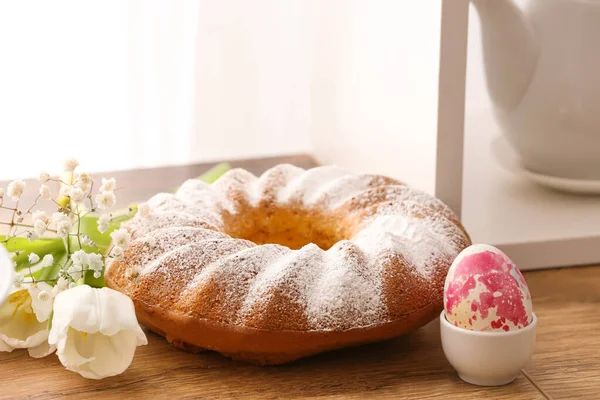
[
  {"x": 108, "y": 185},
  {"x": 85, "y": 240},
  {"x": 65, "y": 191},
  {"x": 44, "y": 177},
  {"x": 75, "y": 272},
  {"x": 15, "y": 189},
  {"x": 117, "y": 253},
  {"x": 95, "y": 261},
  {"x": 63, "y": 229},
  {"x": 84, "y": 182},
  {"x": 39, "y": 216},
  {"x": 144, "y": 210},
  {"x": 77, "y": 196},
  {"x": 48, "y": 260},
  {"x": 150, "y": 241},
  {"x": 40, "y": 227},
  {"x": 32, "y": 235},
  {"x": 80, "y": 257},
  {"x": 106, "y": 200},
  {"x": 33, "y": 258},
  {"x": 45, "y": 192},
  {"x": 71, "y": 164},
  {"x": 121, "y": 238},
  {"x": 44, "y": 296},
  {"x": 103, "y": 223},
  {"x": 62, "y": 283}
]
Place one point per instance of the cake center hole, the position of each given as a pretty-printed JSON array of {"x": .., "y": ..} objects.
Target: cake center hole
[{"x": 293, "y": 228}]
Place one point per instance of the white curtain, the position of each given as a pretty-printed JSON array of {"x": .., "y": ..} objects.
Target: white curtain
[
  {"x": 108, "y": 82},
  {"x": 124, "y": 84},
  {"x": 253, "y": 78}
]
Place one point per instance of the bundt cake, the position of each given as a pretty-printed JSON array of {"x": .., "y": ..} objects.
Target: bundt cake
[{"x": 295, "y": 262}]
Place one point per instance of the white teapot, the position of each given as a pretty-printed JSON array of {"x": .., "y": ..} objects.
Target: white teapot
[{"x": 543, "y": 74}]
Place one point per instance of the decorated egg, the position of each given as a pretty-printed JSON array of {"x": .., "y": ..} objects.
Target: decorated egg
[{"x": 485, "y": 291}]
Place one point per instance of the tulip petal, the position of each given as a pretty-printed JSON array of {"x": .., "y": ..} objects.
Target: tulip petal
[
  {"x": 95, "y": 331},
  {"x": 7, "y": 274},
  {"x": 98, "y": 310},
  {"x": 42, "y": 350},
  {"x": 19, "y": 328},
  {"x": 41, "y": 308},
  {"x": 31, "y": 341},
  {"x": 73, "y": 352},
  {"x": 112, "y": 355},
  {"x": 5, "y": 347}
]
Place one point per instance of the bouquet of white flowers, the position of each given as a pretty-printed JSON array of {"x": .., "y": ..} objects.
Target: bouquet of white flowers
[
  {"x": 52, "y": 294},
  {"x": 54, "y": 300}
]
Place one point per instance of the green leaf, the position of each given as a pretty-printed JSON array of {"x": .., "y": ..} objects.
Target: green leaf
[
  {"x": 25, "y": 247},
  {"x": 51, "y": 272},
  {"x": 215, "y": 173},
  {"x": 50, "y": 320},
  {"x": 93, "y": 282},
  {"x": 89, "y": 226}
]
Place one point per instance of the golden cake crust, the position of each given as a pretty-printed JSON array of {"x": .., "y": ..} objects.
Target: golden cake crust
[{"x": 295, "y": 262}]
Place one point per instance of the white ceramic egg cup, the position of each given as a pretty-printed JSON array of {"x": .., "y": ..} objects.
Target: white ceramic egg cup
[{"x": 487, "y": 358}]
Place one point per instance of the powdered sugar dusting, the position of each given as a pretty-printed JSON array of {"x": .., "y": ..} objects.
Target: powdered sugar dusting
[
  {"x": 165, "y": 240},
  {"x": 415, "y": 238},
  {"x": 202, "y": 196},
  {"x": 340, "y": 190},
  {"x": 337, "y": 289},
  {"x": 275, "y": 181},
  {"x": 164, "y": 219},
  {"x": 234, "y": 182},
  {"x": 348, "y": 292},
  {"x": 309, "y": 184},
  {"x": 330, "y": 286},
  {"x": 238, "y": 271}
]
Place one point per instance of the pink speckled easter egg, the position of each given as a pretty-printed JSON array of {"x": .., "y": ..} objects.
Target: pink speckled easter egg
[{"x": 485, "y": 291}]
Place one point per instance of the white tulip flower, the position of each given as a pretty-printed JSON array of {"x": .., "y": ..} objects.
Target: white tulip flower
[
  {"x": 95, "y": 331},
  {"x": 7, "y": 274},
  {"x": 24, "y": 320}
]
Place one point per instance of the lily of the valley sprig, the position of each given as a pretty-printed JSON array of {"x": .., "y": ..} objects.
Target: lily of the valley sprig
[{"x": 59, "y": 262}]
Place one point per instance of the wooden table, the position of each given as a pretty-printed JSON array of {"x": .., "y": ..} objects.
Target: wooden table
[{"x": 566, "y": 364}]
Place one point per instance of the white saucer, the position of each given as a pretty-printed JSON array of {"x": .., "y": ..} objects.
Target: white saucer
[
  {"x": 507, "y": 158},
  {"x": 575, "y": 186}
]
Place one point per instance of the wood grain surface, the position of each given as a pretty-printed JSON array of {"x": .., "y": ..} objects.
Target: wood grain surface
[{"x": 566, "y": 363}]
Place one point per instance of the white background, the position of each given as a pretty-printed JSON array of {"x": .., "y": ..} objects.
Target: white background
[{"x": 124, "y": 84}]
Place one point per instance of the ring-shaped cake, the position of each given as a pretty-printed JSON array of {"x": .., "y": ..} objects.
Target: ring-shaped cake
[{"x": 292, "y": 263}]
